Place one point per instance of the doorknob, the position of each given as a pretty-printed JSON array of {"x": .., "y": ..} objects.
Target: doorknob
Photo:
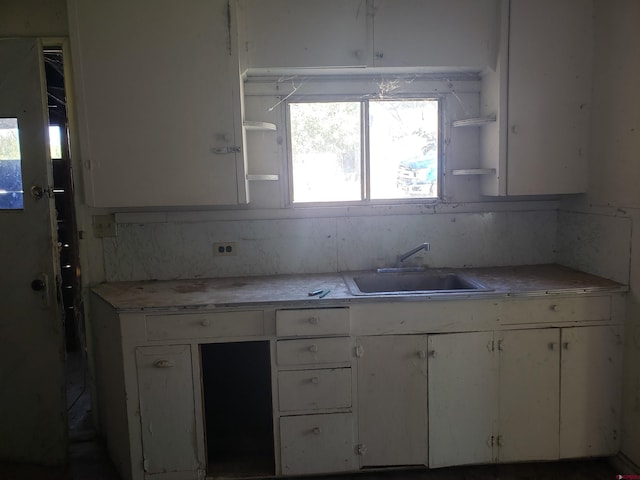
[
  {"x": 39, "y": 192},
  {"x": 38, "y": 285}
]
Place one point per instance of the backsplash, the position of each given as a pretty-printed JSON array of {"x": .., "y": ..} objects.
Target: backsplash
[
  {"x": 595, "y": 242},
  {"x": 175, "y": 249}
]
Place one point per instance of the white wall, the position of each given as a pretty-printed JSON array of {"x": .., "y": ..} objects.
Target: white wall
[
  {"x": 180, "y": 246},
  {"x": 597, "y": 233}
]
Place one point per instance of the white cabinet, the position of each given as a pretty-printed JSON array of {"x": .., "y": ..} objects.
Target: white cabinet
[
  {"x": 529, "y": 383},
  {"x": 369, "y": 33},
  {"x": 320, "y": 443},
  {"x": 493, "y": 397},
  {"x": 463, "y": 398},
  {"x": 230, "y": 392},
  {"x": 541, "y": 94},
  {"x": 591, "y": 372},
  {"x": 392, "y": 400},
  {"x": 315, "y": 391},
  {"x": 157, "y": 85},
  {"x": 434, "y": 33},
  {"x": 305, "y": 33},
  {"x": 167, "y": 409},
  {"x": 524, "y": 395}
]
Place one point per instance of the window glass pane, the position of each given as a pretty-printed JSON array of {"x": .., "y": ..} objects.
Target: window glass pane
[
  {"x": 10, "y": 165},
  {"x": 325, "y": 151},
  {"x": 55, "y": 144},
  {"x": 403, "y": 148}
]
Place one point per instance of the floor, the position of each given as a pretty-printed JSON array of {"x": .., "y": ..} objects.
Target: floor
[{"x": 89, "y": 460}]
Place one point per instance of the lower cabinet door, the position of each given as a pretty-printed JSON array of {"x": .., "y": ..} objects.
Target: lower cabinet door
[
  {"x": 529, "y": 394},
  {"x": 167, "y": 411},
  {"x": 591, "y": 372},
  {"x": 317, "y": 444},
  {"x": 463, "y": 398},
  {"x": 392, "y": 400}
]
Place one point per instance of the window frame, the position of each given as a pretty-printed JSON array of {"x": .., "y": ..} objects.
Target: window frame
[{"x": 365, "y": 183}]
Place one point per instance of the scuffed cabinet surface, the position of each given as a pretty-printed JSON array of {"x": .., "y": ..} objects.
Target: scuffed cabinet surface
[
  {"x": 167, "y": 412},
  {"x": 158, "y": 102},
  {"x": 591, "y": 371},
  {"x": 392, "y": 400},
  {"x": 336, "y": 359}
]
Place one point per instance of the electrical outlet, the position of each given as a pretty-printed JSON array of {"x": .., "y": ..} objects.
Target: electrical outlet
[
  {"x": 104, "y": 226},
  {"x": 224, "y": 249}
]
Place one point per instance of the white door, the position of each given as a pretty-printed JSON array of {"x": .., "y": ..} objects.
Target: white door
[
  {"x": 529, "y": 394},
  {"x": 33, "y": 426},
  {"x": 392, "y": 400},
  {"x": 463, "y": 398},
  {"x": 590, "y": 391}
]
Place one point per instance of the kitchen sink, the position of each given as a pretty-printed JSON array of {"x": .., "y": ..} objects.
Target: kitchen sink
[{"x": 376, "y": 283}]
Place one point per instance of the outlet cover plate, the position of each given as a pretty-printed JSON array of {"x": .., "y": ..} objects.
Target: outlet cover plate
[{"x": 224, "y": 249}]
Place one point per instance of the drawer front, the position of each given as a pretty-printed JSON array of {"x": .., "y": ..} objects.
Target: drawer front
[
  {"x": 313, "y": 351},
  {"x": 314, "y": 389},
  {"x": 205, "y": 325},
  {"x": 550, "y": 310},
  {"x": 317, "y": 444},
  {"x": 312, "y": 321}
]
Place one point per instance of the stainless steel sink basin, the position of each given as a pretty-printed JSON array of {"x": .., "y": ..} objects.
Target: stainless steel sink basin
[{"x": 375, "y": 283}]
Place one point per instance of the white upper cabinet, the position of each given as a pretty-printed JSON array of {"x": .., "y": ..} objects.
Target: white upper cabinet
[
  {"x": 369, "y": 33},
  {"x": 434, "y": 33},
  {"x": 305, "y": 33},
  {"x": 550, "y": 56},
  {"x": 158, "y": 102},
  {"x": 541, "y": 94}
]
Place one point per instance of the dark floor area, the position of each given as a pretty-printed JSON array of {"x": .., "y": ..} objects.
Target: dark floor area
[{"x": 89, "y": 460}]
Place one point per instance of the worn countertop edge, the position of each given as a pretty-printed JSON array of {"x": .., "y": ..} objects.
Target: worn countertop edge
[
  {"x": 291, "y": 290},
  {"x": 370, "y": 299}
]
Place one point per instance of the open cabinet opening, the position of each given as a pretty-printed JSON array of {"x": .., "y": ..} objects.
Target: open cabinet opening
[{"x": 236, "y": 381}]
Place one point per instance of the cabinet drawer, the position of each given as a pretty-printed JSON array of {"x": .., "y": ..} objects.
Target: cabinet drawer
[
  {"x": 550, "y": 310},
  {"x": 314, "y": 389},
  {"x": 313, "y": 350},
  {"x": 205, "y": 325},
  {"x": 317, "y": 444},
  {"x": 312, "y": 321}
]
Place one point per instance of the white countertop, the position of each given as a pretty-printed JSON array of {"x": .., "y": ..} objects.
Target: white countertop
[{"x": 293, "y": 289}]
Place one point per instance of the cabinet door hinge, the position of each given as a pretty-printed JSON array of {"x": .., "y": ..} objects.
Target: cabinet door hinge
[
  {"x": 361, "y": 449},
  {"x": 359, "y": 350}
]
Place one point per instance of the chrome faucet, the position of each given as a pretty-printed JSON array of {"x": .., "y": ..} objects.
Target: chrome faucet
[{"x": 402, "y": 257}]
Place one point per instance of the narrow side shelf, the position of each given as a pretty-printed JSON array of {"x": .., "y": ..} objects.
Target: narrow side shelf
[
  {"x": 259, "y": 126},
  {"x": 474, "y": 122},
  {"x": 474, "y": 171},
  {"x": 267, "y": 177}
]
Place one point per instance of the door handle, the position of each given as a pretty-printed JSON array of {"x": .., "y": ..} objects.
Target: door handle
[{"x": 41, "y": 286}]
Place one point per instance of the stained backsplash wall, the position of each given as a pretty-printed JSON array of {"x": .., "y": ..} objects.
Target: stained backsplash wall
[{"x": 176, "y": 248}]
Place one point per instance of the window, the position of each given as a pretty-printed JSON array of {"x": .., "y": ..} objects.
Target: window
[
  {"x": 11, "y": 191},
  {"x": 11, "y": 196},
  {"x": 365, "y": 150}
]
